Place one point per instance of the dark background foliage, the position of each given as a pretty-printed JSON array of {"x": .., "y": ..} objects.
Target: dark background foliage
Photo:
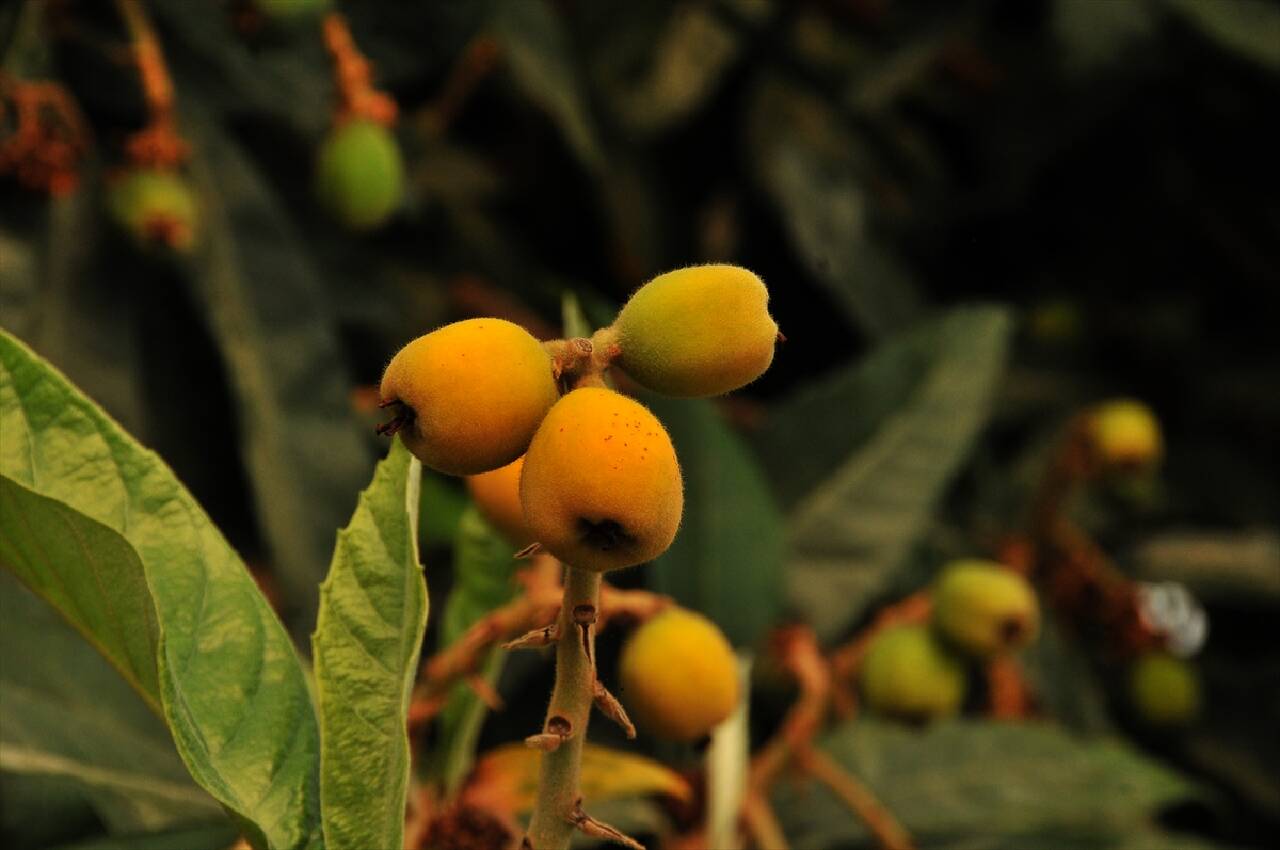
[{"x": 974, "y": 219}]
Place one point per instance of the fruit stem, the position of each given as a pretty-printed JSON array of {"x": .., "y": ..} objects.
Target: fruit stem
[
  {"x": 157, "y": 145},
  {"x": 353, "y": 78},
  {"x": 552, "y": 824}
]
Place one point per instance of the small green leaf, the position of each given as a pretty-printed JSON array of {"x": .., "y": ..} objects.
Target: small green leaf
[
  {"x": 574, "y": 318},
  {"x": 373, "y": 612},
  {"x": 71, "y": 720},
  {"x": 1016, "y": 785},
  {"x": 482, "y": 572},
  {"x": 728, "y": 556},
  {"x": 101, "y": 528},
  {"x": 910, "y": 414}
]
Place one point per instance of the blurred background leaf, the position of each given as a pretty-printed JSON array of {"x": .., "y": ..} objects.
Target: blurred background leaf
[
  {"x": 727, "y": 561},
  {"x": 261, "y": 294},
  {"x": 888, "y": 436},
  {"x": 969, "y": 783}
]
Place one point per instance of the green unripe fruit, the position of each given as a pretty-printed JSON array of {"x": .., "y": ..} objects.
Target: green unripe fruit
[
  {"x": 360, "y": 174},
  {"x": 601, "y": 485},
  {"x": 679, "y": 676},
  {"x": 470, "y": 395},
  {"x": 982, "y": 608},
  {"x": 287, "y": 11},
  {"x": 156, "y": 208},
  {"x": 1164, "y": 690},
  {"x": 1125, "y": 434},
  {"x": 908, "y": 674},
  {"x": 700, "y": 331}
]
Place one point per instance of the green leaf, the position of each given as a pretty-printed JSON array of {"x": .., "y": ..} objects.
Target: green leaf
[
  {"x": 1248, "y": 28},
  {"x": 817, "y": 175},
  {"x": 299, "y": 436},
  {"x": 892, "y": 433},
  {"x": 483, "y": 567},
  {"x": 727, "y": 559},
  {"x": 72, "y": 721},
  {"x": 685, "y": 65},
  {"x": 218, "y": 837},
  {"x": 1016, "y": 785},
  {"x": 574, "y": 318},
  {"x": 373, "y": 612},
  {"x": 537, "y": 49},
  {"x": 101, "y": 528}
]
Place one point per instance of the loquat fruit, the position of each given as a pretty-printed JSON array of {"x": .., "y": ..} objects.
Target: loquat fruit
[
  {"x": 910, "y": 675},
  {"x": 679, "y": 675},
  {"x": 360, "y": 174},
  {"x": 497, "y": 497},
  {"x": 1164, "y": 690},
  {"x": 697, "y": 331},
  {"x": 470, "y": 394},
  {"x": 156, "y": 208},
  {"x": 601, "y": 485},
  {"x": 1125, "y": 434},
  {"x": 981, "y": 608}
]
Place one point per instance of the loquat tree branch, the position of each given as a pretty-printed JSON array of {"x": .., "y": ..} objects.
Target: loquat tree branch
[{"x": 529, "y": 621}]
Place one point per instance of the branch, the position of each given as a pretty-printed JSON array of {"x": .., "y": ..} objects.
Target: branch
[
  {"x": 353, "y": 77},
  {"x": 889, "y": 833},
  {"x": 157, "y": 145},
  {"x": 558, "y": 803},
  {"x": 528, "y": 621}
]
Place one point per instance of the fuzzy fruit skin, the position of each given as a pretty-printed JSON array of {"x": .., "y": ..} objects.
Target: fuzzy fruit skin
[
  {"x": 360, "y": 174},
  {"x": 477, "y": 390},
  {"x": 981, "y": 608},
  {"x": 909, "y": 674},
  {"x": 1164, "y": 690},
  {"x": 601, "y": 486},
  {"x": 157, "y": 208},
  {"x": 1126, "y": 434},
  {"x": 679, "y": 676},
  {"x": 497, "y": 497},
  {"x": 698, "y": 331}
]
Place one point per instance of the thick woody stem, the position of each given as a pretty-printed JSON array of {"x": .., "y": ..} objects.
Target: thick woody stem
[{"x": 553, "y": 821}]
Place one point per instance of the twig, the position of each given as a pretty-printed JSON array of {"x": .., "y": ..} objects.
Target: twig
[
  {"x": 1009, "y": 695},
  {"x": 889, "y": 833},
  {"x": 797, "y": 649},
  {"x": 157, "y": 145},
  {"x": 529, "y": 620},
  {"x": 353, "y": 78},
  {"x": 847, "y": 659},
  {"x": 475, "y": 64}
]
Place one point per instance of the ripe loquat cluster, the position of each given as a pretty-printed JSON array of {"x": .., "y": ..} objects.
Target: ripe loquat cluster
[{"x": 599, "y": 482}]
